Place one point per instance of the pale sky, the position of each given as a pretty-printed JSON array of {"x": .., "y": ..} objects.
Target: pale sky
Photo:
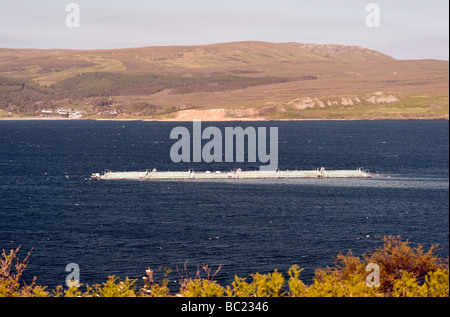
[{"x": 409, "y": 29}]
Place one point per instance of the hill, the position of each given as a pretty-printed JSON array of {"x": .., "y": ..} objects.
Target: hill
[{"x": 228, "y": 81}]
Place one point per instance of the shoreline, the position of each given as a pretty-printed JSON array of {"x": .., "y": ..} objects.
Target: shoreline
[{"x": 446, "y": 118}]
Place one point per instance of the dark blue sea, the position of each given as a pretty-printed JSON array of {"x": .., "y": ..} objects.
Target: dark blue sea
[{"x": 49, "y": 203}]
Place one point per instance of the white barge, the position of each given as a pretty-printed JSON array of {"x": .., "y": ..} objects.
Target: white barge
[{"x": 234, "y": 174}]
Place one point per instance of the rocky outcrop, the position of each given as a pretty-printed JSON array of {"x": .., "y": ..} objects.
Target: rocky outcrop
[{"x": 298, "y": 104}]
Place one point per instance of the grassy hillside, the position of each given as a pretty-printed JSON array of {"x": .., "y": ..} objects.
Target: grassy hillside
[{"x": 253, "y": 80}]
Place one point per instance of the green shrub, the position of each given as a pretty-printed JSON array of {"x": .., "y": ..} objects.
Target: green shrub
[
  {"x": 436, "y": 285},
  {"x": 263, "y": 285}
]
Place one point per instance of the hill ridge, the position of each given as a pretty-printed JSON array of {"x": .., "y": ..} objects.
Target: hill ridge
[{"x": 160, "y": 81}]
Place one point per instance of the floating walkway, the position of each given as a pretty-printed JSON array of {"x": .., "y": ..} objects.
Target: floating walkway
[{"x": 235, "y": 174}]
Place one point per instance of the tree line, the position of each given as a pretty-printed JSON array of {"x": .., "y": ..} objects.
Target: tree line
[{"x": 24, "y": 95}]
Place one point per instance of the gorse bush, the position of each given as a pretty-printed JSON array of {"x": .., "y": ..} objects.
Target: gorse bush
[
  {"x": 404, "y": 271},
  {"x": 11, "y": 271},
  {"x": 396, "y": 258}
]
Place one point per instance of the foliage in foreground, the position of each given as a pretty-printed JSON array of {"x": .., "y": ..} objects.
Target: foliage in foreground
[{"x": 403, "y": 271}]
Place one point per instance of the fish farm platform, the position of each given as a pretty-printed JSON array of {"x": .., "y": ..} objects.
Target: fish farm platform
[{"x": 235, "y": 174}]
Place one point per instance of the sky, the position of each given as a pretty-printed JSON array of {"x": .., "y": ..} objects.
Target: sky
[{"x": 407, "y": 29}]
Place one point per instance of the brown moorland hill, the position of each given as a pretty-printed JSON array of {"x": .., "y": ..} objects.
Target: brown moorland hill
[{"x": 228, "y": 81}]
